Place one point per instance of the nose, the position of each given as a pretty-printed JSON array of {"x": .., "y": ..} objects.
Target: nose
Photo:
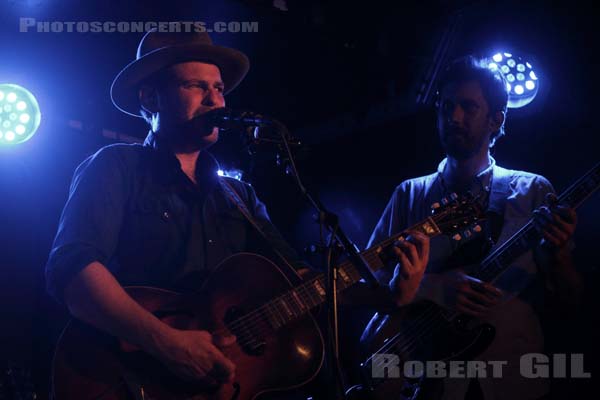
[
  {"x": 209, "y": 98},
  {"x": 213, "y": 97},
  {"x": 455, "y": 114}
]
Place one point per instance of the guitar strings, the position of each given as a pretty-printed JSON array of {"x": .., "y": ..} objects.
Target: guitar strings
[
  {"x": 418, "y": 327},
  {"x": 257, "y": 316},
  {"x": 251, "y": 336},
  {"x": 422, "y": 320},
  {"x": 407, "y": 345},
  {"x": 303, "y": 291},
  {"x": 392, "y": 342},
  {"x": 487, "y": 271}
]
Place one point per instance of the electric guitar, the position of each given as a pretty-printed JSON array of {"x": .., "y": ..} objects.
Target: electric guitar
[
  {"x": 279, "y": 345},
  {"x": 426, "y": 331}
]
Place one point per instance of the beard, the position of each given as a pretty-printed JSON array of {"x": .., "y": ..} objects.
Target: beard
[
  {"x": 460, "y": 144},
  {"x": 192, "y": 135}
]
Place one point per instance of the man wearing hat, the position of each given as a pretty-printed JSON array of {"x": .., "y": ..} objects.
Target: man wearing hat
[{"x": 156, "y": 214}]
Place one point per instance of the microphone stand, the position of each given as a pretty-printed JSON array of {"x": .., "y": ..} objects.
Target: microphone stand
[{"x": 331, "y": 222}]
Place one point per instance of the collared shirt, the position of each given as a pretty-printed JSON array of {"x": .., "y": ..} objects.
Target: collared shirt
[
  {"x": 481, "y": 182},
  {"x": 518, "y": 329},
  {"x": 132, "y": 208},
  {"x": 412, "y": 199}
]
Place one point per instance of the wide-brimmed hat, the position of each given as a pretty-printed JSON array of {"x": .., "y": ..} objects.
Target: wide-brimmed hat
[{"x": 158, "y": 50}]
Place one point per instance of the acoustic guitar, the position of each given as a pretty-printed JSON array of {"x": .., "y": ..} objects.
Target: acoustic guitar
[{"x": 279, "y": 345}]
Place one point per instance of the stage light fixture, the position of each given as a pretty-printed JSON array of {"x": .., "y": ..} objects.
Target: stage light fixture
[
  {"x": 19, "y": 114},
  {"x": 522, "y": 80}
]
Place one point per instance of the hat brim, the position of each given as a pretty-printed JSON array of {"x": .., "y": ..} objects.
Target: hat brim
[{"x": 233, "y": 65}]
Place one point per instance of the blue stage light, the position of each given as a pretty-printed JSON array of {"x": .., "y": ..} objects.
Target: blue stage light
[
  {"x": 19, "y": 114},
  {"x": 232, "y": 173},
  {"x": 522, "y": 81},
  {"x": 530, "y": 85},
  {"x": 519, "y": 89}
]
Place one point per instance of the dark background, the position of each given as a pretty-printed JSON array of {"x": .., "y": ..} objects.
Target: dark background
[{"x": 343, "y": 77}]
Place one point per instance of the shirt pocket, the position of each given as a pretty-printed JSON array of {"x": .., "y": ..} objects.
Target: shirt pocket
[
  {"x": 151, "y": 225},
  {"x": 231, "y": 228}
]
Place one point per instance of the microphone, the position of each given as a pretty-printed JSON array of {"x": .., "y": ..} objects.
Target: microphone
[
  {"x": 226, "y": 118},
  {"x": 235, "y": 120}
]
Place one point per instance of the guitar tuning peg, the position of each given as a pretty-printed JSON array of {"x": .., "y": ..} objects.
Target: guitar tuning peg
[
  {"x": 476, "y": 228},
  {"x": 457, "y": 237},
  {"x": 467, "y": 234},
  {"x": 453, "y": 196},
  {"x": 445, "y": 200},
  {"x": 435, "y": 206}
]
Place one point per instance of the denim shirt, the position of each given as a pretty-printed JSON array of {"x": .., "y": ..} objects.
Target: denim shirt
[{"x": 132, "y": 208}]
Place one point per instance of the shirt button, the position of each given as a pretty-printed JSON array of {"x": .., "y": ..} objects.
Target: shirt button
[
  {"x": 166, "y": 216},
  {"x": 211, "y": 241}
]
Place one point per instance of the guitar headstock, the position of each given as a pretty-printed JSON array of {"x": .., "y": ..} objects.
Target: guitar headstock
[{"x": 458, "y": 216}]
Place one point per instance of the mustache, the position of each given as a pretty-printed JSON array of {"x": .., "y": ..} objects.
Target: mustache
[
  {"x": 454, "y": 130},
  {"x": 200, "y": 123},
  {"x": 207, "y": 114}
]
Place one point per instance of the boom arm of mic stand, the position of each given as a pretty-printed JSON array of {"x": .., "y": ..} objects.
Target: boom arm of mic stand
[{"x": 330, "y": 219}]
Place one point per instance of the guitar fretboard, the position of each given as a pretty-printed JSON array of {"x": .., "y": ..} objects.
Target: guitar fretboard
[
  {"x": 528, "y": 237},
  {"x": 295, "y": 303}
]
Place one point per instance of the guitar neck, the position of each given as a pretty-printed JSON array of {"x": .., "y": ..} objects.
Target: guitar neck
[
  {"x": 528, "y": 237},
  {"x": 312, "y": 293}
]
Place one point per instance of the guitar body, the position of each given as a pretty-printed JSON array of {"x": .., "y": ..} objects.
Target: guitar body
[
  {"x": 408, "y": 335},
  {"x": 91, "y": 365}
]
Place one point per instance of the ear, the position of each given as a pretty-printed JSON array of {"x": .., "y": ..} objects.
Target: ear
[
  {"x": 496, "y": 121},
  {"x": 149, "y": 98}
]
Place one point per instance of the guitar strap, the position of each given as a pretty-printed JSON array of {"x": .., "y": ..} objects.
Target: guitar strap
[
  {"x": 473, "y": 251},
  {"x": 234, "y": 197},
  {"x": 499, "y": 193}
]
